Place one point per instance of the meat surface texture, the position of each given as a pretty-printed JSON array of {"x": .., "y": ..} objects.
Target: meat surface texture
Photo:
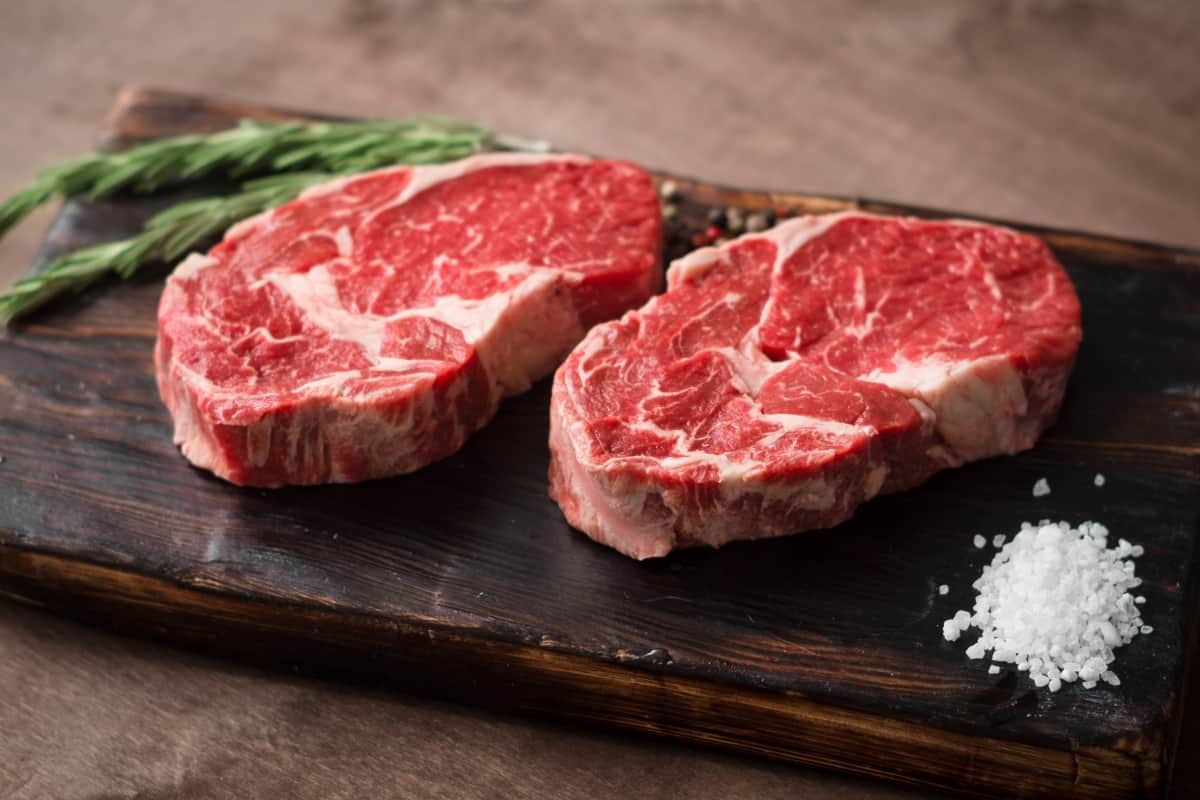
[
  {"x": 787, "y": 377},
  {"x": 372, "y": 325}
]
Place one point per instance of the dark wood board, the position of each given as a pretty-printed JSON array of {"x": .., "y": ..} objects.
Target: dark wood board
[{"x": 462, "y": 579}]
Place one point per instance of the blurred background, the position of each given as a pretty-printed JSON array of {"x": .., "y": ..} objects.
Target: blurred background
[{"x": 1059, "y": 112}]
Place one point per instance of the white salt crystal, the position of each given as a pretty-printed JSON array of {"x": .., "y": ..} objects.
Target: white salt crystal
[
  {"x": 1041, "y": 488},
  {"x": 1056, "y": 602},
  {"x": 998, "y": 540},
  {"x": 943, "y": 589},
  {"x": 1098, "y": 480},
  {"x": 979, "y": 542}
]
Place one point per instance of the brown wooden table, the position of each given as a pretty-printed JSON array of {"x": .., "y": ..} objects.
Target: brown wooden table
[{"x": 1061, "y": 113}]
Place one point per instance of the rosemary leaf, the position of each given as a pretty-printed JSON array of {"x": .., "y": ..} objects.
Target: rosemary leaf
[
  {"x": 165, "y": 237},
  {"x": 290, "y": 156},
  {"x": 249, "y": 148}
]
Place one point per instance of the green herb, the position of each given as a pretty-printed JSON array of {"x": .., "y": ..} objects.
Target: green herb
[
  {"x": 165, "y": 237},
  {"x": 302, "y": 154},
  {"x": 250, "y": 148}
]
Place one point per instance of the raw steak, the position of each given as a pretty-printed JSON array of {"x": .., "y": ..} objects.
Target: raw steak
[
  {"x": 786, "y": 377},
  {"x": 371, "y": 326}
]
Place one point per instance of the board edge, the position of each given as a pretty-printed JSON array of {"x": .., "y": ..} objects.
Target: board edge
[{"x": 547, "y": 682}]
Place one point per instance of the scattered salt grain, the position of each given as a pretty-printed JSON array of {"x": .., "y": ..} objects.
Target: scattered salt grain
[
  {"x": 943, "y": 589},
  {"x": 1099, "y": 479},
  {"x": 1041, "y": 488},
  {"x": 979, "y": 542},
  {"x": 1056, "y": 602},
  {"x": 998, "y": 540}
]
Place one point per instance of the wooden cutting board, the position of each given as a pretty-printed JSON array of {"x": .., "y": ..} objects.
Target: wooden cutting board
[{"x": 463, "y": 580}]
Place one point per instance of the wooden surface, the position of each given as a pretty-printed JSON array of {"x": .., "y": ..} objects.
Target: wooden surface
[
  {"x": 463, "y": 580},
  {"x": 1094, "y": 105}
]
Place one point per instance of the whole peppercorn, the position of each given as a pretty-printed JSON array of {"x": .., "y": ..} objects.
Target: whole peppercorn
[
  {"x": 735, "y": 220},
  {"x": 757, "y": 222},
  {"x": 716, "y": 217}
]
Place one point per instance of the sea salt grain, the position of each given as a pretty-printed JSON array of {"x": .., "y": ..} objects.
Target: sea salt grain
[
  {"x": 1099, "y": 480},
  {"x": 943, "y": 589},
  {"x": 1041, "y": 488},
  {"x": 998, "y": 540},
  {"x": 1056, "y": 602},
  {"x": 979, "y": 542}
]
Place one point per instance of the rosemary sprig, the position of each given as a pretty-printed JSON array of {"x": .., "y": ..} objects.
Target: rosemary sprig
[
  {"x": 292, "y": 155},
  {"x": 250, "y": 148},
  {"x": 165, "y": 237}
]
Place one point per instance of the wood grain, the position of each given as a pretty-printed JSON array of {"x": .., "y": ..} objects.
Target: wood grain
[{"x": 822, "y": 649}]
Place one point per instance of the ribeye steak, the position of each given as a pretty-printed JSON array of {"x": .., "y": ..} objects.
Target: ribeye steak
[
  {"x": 371, "y": 326},
  {"x": 786, "y": 377}
]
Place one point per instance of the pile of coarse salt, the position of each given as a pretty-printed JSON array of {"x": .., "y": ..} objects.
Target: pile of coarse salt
[{"x": 1055, "y": 601}]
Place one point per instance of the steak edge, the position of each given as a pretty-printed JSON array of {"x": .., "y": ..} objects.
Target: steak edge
[
  {"x": 787, "y": 377},
  {"x": 372, "y": 325}
]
